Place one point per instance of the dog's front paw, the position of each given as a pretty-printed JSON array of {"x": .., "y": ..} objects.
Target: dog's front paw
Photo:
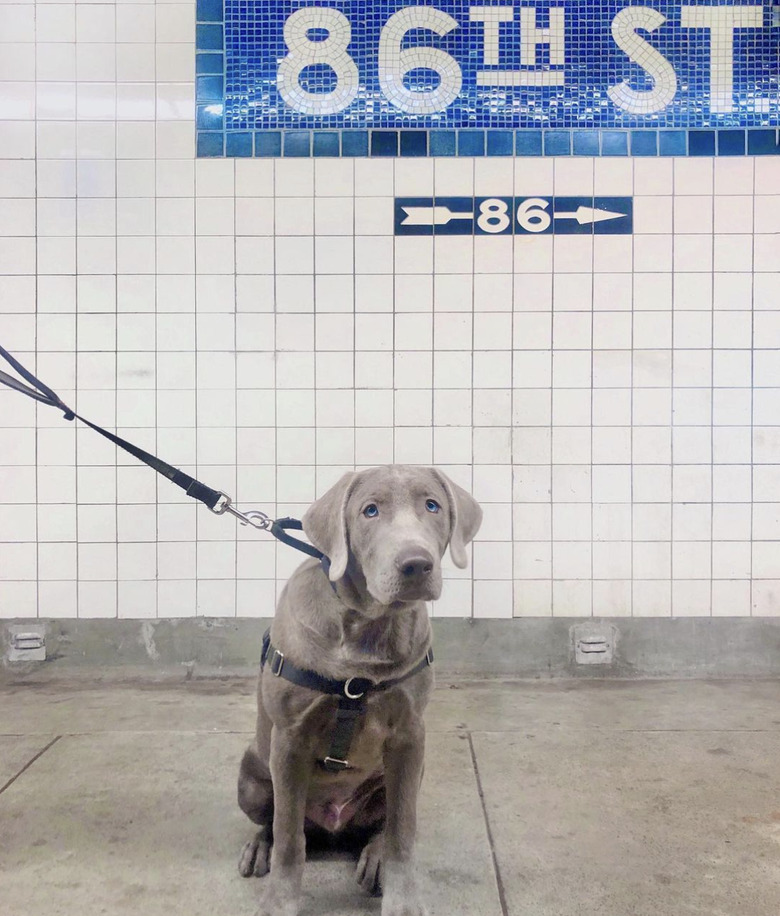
[
  {"x": 369, "y": 868},
  {"x": 277, "y": 900}
]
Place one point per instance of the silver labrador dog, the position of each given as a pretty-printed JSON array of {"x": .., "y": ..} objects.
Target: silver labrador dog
[{"x": 385, "y": 531}]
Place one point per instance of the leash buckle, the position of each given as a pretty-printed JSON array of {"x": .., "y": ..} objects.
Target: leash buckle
[
  {"x": 253, "y": 517},
  {"x": 222, "y": 505},
  {"x": 277, "y": 663}
]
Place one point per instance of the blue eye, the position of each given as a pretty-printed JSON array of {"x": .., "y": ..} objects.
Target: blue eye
[
  {"x": 431, "y": 505},
  {"x": 371, "y": 511}
]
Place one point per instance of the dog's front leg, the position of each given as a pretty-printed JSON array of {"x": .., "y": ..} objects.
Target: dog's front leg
[
  {"x": 290, "y": 763},
  {"x": 403, "y": 773}
]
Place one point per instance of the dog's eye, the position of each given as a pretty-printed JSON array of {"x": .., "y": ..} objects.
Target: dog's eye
[
  {"x": 431, "y": 505},
  {"x": 371, "y": 511}
]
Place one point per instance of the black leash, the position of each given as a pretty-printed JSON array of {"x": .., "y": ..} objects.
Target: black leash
[
  {"x": 217, "y": 501},
  {"x": 352, "y": 693}
]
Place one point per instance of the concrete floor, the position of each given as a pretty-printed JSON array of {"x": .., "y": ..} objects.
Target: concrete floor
[{"x": 595, "y": 798}]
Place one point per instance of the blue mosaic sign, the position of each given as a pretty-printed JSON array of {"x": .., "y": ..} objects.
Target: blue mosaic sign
[
  {"x": 477, "y": 77},
  {"x": 514, "y": 215}
]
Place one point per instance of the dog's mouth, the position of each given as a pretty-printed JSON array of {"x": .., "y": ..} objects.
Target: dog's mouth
[{"x": 402, "y": 592}]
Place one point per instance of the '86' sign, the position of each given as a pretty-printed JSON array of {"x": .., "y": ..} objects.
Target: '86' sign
[{"x": 513, "y": 215}]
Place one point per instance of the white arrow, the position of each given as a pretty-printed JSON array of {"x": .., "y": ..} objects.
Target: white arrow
[
  {"x": 589, "y": 215},
  {"x": 431, "y": 216}
]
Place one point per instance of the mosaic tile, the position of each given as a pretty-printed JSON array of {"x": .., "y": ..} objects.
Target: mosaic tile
[{"x": 564, "y": 69}]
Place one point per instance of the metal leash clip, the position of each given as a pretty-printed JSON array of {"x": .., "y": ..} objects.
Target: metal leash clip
[{"x": 253, "y": 517}]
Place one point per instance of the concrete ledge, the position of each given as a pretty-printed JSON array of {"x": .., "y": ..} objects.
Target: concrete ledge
[{"x": 522, "y": 647}]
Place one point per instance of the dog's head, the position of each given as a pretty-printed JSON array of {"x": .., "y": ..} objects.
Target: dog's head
[{"x": 391, "y": 526}]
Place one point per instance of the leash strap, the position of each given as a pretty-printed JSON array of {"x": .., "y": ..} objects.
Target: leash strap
[
  {"x": 216, "y": 500},
  {"x": 352, "y": 694},
  {"x": 46, "y": 395},
  {"x": 190, "y": 485},
  {"x": 38, "y": 392}
]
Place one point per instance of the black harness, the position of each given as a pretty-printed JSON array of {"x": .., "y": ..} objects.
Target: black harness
[{"x": 352, "y": 693}]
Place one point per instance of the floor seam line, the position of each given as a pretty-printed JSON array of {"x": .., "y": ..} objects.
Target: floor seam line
[
  {"x": 491, "y": 846},
  {"x": 29, "y": 763}
]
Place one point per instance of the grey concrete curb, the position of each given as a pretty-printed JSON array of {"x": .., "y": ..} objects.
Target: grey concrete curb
[{"x": 522, "y": 647}]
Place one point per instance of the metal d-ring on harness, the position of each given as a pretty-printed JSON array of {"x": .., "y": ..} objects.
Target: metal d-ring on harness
[{"x": 353, "y": 691}]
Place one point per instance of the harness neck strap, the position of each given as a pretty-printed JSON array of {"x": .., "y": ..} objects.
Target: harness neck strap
[{"x": 279, "y": 530}]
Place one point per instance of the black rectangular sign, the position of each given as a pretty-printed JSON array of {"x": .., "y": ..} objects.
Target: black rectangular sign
[{"x": 514, "y": 215}]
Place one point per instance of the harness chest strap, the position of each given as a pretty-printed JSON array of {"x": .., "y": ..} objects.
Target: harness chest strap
[{"x": 351, "y": 692}]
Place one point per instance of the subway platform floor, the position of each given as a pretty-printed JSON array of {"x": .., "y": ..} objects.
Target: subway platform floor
[{"x": 540, "y": 798}]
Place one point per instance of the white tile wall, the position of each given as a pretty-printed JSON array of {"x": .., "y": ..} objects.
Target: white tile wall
[{"x": 612, "y": 401}]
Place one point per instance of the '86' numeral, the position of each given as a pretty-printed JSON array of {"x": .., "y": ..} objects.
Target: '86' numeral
[
  {"x": 394, "y": 61},
  {"x": 494, "y": 215}
]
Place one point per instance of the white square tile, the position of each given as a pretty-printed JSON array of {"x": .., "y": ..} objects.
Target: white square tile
[
  {"x": 656, "y": 214},
  {"x": 613, "y": 176},
  {"x": 572, "y": 598},
  {"x": 693, "y": 176},
  {"x": 691, "y": 598},
  {"x": 653, "y": 253},
  {"x": 693, "y": 214},
  {"x": 413, "y": 293},
  {"x": 611, "y": 561},
  {"x": 733, "y": 252},
  {"x": 692, "y": 521},
  {"x": 372, "y": 215},
  {"x": 334, "y": 254},
  {"x": 653, "y": 176},
  {"x": 734, "y": 175},
  {"x": 334, "y": 216},
  {"x": 651, "y": 598},
  {"x": 735, "y": 213},
  {"x": 454, "y": 176},
  {"x": 731, "y": 598},
  {"x": 613, "y": 253},
  {"x": 294, "y": 216},
  {"x": 731, "y": 560},
  {"x": 492, "y": 598},
  {"x": 533, "y": 598}
]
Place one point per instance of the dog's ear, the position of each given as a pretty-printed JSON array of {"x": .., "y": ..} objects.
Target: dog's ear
[
  {"x": 325, "y": 524},
  {"x": 465, "y": 518}
]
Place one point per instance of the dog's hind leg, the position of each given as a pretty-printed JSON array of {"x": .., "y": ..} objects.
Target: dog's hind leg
[
  {"x": 256, "y": 854},
  {"x": 256, "y": 800}
]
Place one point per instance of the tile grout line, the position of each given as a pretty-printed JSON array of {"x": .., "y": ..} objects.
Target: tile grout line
[
  {"x": 493, "y": 858},
  {"x": 29, "y": 763}
]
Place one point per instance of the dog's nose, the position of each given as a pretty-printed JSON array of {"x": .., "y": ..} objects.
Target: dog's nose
[{"x": 414, "y": 564}]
